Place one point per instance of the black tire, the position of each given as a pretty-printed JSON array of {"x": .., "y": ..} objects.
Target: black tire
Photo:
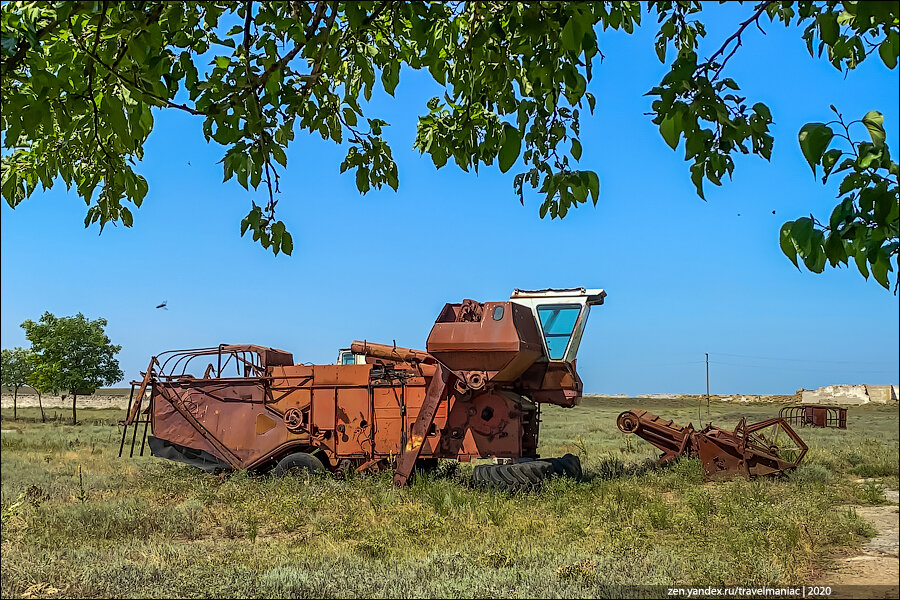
[
  {"x": 427, "y": 465},
  {"x": 298, "y": 463},
  {"x": 514, "y": 477},
  {"x": 568, "y": 466},
  {"x": 527, "y": 475}
]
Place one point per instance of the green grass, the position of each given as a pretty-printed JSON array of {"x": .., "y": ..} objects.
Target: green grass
[{"x": 77, "y": 518}]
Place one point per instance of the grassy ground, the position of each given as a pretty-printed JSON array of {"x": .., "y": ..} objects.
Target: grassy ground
[{"x": 78, "y": 521}]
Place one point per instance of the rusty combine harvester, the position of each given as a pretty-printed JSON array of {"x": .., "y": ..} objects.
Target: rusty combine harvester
[
  {"x": 475, "y": 393},
  {"x": 765, "y": 448},
  {"x": 815, "y": 415}
]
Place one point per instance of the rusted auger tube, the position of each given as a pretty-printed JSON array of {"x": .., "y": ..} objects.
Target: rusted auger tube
[
  {"x": 391, "y": 353},
  {"x": 765, "y": 448}
]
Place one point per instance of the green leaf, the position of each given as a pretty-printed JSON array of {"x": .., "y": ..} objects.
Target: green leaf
[
  {"x": 887, "y": 53},
  {"x": 860, "y": 258},
  {"x": 287, "y": 243},
  {"x": 593, "y": 186},
  {"x": 697, "y": 178},
  {"x": 279, "y": 155},
  {"x": 576, "y": 149},
  {"x": 362, "y": 179},
  {"x": 572, "y": 35},
  {"x": 834, "y": 250},
  {"x": 509, "y": 150},
  {"x": 815, "y": 261},
  {"x": 763, "y": 111},
  {"x": 880, "y": 268},
  {"x": 802, "y": 233},
  {"x": 787, "y": 243},
  {"x": 814, "y": 139},
  {"x": 390, "y": 76},
  {"x": 874, "y": 122},
  {"x": 829, "y": 159},
  {"x": 828, "y": 27},
  {"x": 670, "y": 128}
]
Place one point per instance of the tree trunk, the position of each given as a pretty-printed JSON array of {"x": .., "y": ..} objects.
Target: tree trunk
[
  {"x": 15, "y": 398},
  {"x": 74, "y": 416},
  {"x": 41, "y": 406}
]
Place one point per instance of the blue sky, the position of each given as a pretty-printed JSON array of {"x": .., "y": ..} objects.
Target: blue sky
[{"x": 684, "y": 276}]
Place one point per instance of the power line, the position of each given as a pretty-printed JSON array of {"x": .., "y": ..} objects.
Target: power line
[
  {"x": 815, "y": 360},
  {"x": 783, "y": 368}
]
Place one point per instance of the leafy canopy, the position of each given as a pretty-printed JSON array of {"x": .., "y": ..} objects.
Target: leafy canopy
[
  {"x": 80, "y": 80},
  {"x": 72, "y": 354},
  {"x": 15, "y": 367}
]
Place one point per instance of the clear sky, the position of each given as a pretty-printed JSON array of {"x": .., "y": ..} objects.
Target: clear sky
[{"x": 684, "y": 276}]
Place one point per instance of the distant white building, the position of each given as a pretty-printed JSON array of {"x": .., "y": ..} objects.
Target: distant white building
[{"x": 850, "y": 394}]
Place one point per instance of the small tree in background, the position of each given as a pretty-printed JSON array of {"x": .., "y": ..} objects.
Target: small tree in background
[
  {"x": 38, "y": 381},
  {"x": 72, "y": 354},
  {"x": 15, "y": 370}
]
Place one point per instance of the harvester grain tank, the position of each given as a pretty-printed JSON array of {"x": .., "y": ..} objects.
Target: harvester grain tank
[{"x": 475, "y": 392}]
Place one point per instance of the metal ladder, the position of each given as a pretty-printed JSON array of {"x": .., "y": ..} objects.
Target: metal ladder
[{"x": 135, "y": 417}]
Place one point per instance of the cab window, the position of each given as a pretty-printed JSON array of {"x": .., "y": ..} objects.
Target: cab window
[
  {"x": 347, "y": 358},
  {"x": 558, "y": 322}
]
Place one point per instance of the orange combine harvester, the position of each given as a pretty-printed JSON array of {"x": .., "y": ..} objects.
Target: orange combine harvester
[{"x": 475, "y": 393}]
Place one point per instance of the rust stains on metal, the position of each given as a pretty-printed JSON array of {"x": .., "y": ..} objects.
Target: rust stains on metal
[
  {"x": 765, "y": 448},
  {"x": 815, "y": 415}
]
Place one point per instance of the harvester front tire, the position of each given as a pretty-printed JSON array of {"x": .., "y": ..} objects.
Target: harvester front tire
[
  {"x": 513, "y": 477},
  {"x": 298, "y": 463}
]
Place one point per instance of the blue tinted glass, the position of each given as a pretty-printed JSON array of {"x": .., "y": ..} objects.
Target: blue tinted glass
[
  {"x": 347, "y": 358},
  {"x": 558, "y": 322}
]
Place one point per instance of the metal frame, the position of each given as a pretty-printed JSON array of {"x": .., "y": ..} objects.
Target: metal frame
[{"x": 815, "y": 415}]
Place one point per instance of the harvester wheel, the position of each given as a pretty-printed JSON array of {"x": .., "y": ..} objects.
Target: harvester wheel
[
  {"x": 298, "y": 463},
  {"x": 569, "y": 466},
  {"x": 514, "y": 477}
]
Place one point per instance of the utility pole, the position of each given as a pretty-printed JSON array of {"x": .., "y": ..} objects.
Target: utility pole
[{"x": 707, "y": 385}]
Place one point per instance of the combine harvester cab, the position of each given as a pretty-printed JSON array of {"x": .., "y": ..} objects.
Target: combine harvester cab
[{"x": 475, "y": 393}]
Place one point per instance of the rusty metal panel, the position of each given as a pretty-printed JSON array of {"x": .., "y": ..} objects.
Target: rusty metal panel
[
  {"x": 388, "y": 419},
  {"x": 229, "y": 421},
  {"x": 466, "y": 340},
  {"x": 341, "y": 374},
  {"x": 291, "y": 376},
  {"x": 415, "y": 396},
  {"x": 354, "y": 422},
  {"x": 323, "y": 407}
]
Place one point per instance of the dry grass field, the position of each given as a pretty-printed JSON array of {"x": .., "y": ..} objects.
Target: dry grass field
[{"x": 77, "y": 521}]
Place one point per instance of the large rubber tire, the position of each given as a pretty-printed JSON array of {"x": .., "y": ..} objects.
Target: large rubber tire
[
  {"x": 568, "y": 466},
  {"x": 298, "y": 463},
  {"x": 527, "y": 475}
]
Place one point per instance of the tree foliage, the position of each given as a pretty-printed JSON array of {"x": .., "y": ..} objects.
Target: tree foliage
[
  {"x": 72, "y": 354},
  {"x": 15, "y": 369},
  {"x": 81, "y": 80},
  {"x": 864, "y": 225}
]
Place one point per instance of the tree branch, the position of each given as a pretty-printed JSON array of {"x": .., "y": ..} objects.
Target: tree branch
[
  {"x": 317, "y": 64},
  {"x": 248, "y": 18},
  {"x": 735, "y": 36},
  {"x": 378, "y": 10},
  {"x": 313, "y": 25},
  {"x": 129, "y": 83}
]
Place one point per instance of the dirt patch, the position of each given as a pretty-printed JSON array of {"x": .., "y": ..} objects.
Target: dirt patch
[{"x": 876, "y": 569}]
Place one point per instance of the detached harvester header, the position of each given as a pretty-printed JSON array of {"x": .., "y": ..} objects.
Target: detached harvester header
[{"x": 475, "y": 393}]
